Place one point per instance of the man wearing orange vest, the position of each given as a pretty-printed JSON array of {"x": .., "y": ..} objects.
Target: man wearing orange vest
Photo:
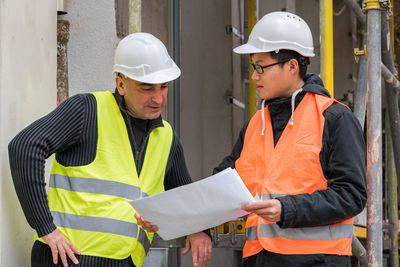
[{"x": 302, "y": 155}]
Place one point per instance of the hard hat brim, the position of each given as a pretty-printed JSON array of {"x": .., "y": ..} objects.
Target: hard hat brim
[
  {"x": 161, "y": 76},
  {"x": 248, "y": 49}
]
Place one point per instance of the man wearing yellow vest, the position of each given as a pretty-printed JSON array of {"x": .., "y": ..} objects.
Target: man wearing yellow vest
[
  {"x": 109, "y": 148},
  {"x": 302, "y": 155}
]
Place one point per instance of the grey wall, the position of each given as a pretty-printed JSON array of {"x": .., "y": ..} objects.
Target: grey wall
[
  {"x": 206, "y": 56},
  {"x": 343, "y": 56},
  {"x": 206, "y": 117},
  {"x": 28, "y": 67},
  {"x": 91, "y": 45}
]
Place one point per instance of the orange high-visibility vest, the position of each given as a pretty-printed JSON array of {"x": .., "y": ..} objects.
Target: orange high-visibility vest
[{"x": 291, "y": 167}]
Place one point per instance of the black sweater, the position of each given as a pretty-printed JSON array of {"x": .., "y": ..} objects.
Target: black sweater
[
  {"x": 71, "y": 132},
  {"x": 342, "y": 158}
]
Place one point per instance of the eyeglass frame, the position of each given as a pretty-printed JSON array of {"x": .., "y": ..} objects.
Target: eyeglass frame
[{"x": 254, "y": 66}]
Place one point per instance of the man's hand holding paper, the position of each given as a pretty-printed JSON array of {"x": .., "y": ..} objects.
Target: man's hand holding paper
[{"x": 195, "y": 207}]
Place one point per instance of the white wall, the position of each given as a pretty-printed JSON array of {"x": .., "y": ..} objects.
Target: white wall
[
  {"x": 91, "y": 45},
  {"x": 27, "y": 91}
]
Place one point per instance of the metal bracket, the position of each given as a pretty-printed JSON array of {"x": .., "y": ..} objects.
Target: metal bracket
[
  {"x": 236, "y": 102},
  {"x": 384, "y": 5},
  {"x": 234, "y": 31},
  {"x": 215, "y": 236},
  {"x": 233, "y": 233},
  {"x": 358, "y": 52}
]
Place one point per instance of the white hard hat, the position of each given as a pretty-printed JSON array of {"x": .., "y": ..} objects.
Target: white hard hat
[
  {"x": 142, "y": 57},
  {"x": 276, "y": 31}
]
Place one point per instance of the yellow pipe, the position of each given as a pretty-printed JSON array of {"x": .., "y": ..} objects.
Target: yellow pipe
[
  {"x": 252, "y": 87},
  {"x": 326, "y": 29}
]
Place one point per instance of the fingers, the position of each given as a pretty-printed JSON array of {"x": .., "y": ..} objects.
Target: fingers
[
  {"x": 145, "y": 224},
  {"x": 257, "y": 205},
  {"x": 54, "y": 253},
  {"x": 187, "y": 247},
  {"x": 63, "y": 257},
  {"x": 203, "y": 254},
  {"x": 60, "y": 245},
  {"x": 268, "y": 209},
  {"x": 70, "y": 252},
  {"x": 201, "y": 248}
]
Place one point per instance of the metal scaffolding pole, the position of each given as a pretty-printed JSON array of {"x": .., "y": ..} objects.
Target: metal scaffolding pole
[
  {"x": 359, "y": 251},
  {"x": 391, "y": 198},
  {"x": 353, "y": 5},
  {"x": 392, "y": 126},
  {"x": 386, "y": 73},
  {"x": 360, "y": 101},
  {"x": 374, "y": 138}
]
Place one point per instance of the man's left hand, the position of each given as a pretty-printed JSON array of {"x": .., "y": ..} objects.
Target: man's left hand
[
  {"x": 269, "y": 210},
  {"x": 200, "y": 243}
]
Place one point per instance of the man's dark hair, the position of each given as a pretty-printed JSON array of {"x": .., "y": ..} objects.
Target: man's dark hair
[{"x": 289, "y": 54}]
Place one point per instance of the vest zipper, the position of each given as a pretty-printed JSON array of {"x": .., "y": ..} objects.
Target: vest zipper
[{"x": 139, "y": 152}]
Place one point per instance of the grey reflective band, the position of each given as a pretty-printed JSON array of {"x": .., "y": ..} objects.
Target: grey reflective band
[
  {"x": 142, "y": 238},
  {"x": 308, "y": 233},
  {"x": 271, "y": 196},
  {"x": 96, "y": 224},
  {"x": 98, "y": 186},
  {"x": 251, "y": 233}
]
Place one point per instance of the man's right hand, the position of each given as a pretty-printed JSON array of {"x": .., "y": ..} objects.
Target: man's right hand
[
  {"x": 61, "y": 245},
  {"x": 145, "y": 224}
]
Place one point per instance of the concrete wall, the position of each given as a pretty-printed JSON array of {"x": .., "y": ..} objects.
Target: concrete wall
[
  {"x": 206, "y": 81},
  {"x": 91, "y": 45},
  {"x": 155, "y": 19},
  {"x": 27, "y": 91}
]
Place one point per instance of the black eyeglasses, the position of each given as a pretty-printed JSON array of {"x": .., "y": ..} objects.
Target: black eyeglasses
[{"x": 260, "y": 69}]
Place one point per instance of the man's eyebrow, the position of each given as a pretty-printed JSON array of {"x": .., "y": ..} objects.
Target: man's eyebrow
[{"x": 145, "y": 84}]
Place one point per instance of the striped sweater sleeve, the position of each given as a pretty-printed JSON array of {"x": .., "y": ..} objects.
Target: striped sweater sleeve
[
  {"x": 55, "y": 132},
  {"x": 176, "y": 173}
]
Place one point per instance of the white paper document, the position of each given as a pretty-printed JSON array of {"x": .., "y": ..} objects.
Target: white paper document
[{"x": 197, "y": 206}]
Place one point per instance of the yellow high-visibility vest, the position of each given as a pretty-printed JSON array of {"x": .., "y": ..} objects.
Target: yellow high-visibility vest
[{"x": 89, "y": 203}]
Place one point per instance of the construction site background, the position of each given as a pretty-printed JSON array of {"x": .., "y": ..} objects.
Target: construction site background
[{"x": 46, "y": 56}]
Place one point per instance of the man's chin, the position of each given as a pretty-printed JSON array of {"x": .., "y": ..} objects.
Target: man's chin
[{"x": 153, "y": 116}]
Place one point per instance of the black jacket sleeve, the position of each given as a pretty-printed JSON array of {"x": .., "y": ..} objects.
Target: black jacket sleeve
[
  {"x": 343, "y": 161},
  {"x": 229, "y": 161},
  {"x": 28, "y": 151}
]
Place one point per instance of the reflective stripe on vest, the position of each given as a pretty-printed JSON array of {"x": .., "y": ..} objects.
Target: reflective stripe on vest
[
  {"x": 96, "y": 224},
  {"x": 306, "y": 233},
  {"x": 289, "y": 167},
  {"x": 89, "y": 203},
  {"x": 251, "y": 233},
  {"x": 98, "y": 186},
  {"x": 142, "y": 238}
]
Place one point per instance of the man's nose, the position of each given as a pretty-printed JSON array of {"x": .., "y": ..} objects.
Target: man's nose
[
  {"x": 158, "y": 96},
  {"x": 255, "y": 76}
]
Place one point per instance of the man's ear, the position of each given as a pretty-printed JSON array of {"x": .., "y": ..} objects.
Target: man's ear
[
  {"x": 120, "y": 84},
  {"x": 294, "y": 66}
]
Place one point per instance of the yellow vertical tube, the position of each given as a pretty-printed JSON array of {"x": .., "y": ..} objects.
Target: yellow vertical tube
[
  {"x": 326, "y": 30},
  {"x": 251, "y": 7}
]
